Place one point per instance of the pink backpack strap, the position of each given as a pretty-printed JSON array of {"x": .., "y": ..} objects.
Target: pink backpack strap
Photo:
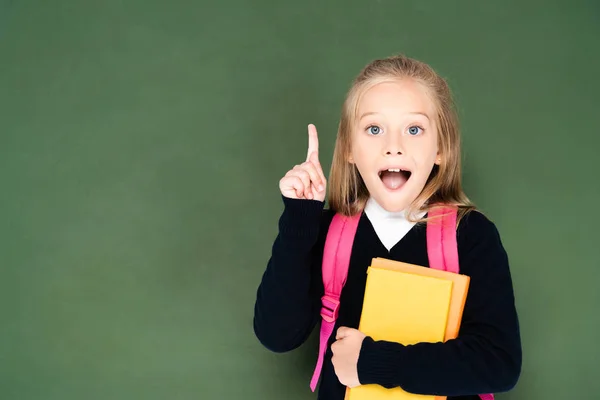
[
  {"x": 336, "y": 259},
  {"x": 442, "y": 248}
]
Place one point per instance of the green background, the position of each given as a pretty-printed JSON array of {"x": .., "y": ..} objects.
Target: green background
[{"x": 141, "y": 144}]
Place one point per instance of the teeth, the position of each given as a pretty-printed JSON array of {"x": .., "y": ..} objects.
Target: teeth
[{"x": 390, "y": 170}]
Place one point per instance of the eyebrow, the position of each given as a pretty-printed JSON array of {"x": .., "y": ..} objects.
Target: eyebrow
[{"x": 410, "y": 113}]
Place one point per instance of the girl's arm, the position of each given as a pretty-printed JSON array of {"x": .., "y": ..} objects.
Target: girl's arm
[
  {"x": 486, "y": 356},
  {"x": 288, "y": 300}
]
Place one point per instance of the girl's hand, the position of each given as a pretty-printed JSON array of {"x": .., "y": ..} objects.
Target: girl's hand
[
  {"x": 306, "y": 181},
  {"x": 346, "y": 350}
]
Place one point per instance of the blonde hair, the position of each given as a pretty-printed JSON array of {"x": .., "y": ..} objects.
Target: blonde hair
[{"x": 347, "y": 191}]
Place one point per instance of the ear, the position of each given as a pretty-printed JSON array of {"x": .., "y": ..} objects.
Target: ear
[
  {"x": 350, "y": 159},
  {"x": 438, "y": 159}
]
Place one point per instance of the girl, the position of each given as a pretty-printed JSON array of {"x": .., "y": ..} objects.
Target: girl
[{"x": 397, "y": 151}]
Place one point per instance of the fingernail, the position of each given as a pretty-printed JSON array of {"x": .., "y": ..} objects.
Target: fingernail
[{"x": 321, "y": 188}]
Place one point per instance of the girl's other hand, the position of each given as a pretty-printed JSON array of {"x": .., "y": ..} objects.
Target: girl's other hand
[{"x": 306, "y": 180}]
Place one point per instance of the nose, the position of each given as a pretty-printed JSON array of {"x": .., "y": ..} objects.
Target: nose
[{"x": 393, "y": 146}]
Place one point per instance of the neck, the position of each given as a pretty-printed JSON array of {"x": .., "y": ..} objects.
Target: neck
[
  {"x": 389, "y": 226},
  {"x": 375, "y": 210}
]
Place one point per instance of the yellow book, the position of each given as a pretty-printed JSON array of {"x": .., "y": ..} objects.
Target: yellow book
[
  {"x": 460, "y": 287},
  {"x": 408, "y": 304}
]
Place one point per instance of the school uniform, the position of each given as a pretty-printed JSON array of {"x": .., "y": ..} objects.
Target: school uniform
[{"x": 486, "y": 356}]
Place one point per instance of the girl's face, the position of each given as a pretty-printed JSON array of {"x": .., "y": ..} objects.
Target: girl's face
[{"x": 394, "y": 142}]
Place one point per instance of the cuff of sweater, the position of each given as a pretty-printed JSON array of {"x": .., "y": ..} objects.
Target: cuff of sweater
[
  {"x": 377, "y": 364},
  {"x": 301, "y": 218}
]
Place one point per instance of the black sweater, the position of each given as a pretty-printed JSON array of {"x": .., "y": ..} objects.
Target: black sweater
[{"x": 486, "y": 356}]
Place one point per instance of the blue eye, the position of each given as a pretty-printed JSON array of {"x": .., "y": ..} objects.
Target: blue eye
[
  {"x": 374, "y": 130},
  {"x": 414, "y": 130}
]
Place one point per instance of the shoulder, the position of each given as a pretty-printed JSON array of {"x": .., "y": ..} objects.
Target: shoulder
[
  {"x": 485, "y": 260},
  {"x": 326, "y": 218},
  {"x": 476, "y": 224},
  {"x": 478, "y": 234}
]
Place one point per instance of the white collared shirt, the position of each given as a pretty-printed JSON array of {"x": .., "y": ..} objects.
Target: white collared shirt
[{"x": 390, "y": 227}]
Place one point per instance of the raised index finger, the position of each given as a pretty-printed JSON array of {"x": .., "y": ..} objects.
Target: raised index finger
[{"x": 313, "y": 141}]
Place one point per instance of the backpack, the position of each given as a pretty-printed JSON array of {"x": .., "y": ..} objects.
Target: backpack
[{"x": 442, "y": 252}]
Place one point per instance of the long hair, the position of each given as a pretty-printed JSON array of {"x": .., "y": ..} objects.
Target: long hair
[{"x": 347, "y": 191}]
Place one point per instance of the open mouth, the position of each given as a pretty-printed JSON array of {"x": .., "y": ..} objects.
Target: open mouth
[{"x": 394, "y": 178}]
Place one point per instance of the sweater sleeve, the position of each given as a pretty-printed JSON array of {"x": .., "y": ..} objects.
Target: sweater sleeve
[
  {"x": 486, "y": 355},
  {"x": 288, "y": 298}
]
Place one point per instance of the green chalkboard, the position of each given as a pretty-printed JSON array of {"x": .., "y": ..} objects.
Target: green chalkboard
[{"x": 141, "y": 145}]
